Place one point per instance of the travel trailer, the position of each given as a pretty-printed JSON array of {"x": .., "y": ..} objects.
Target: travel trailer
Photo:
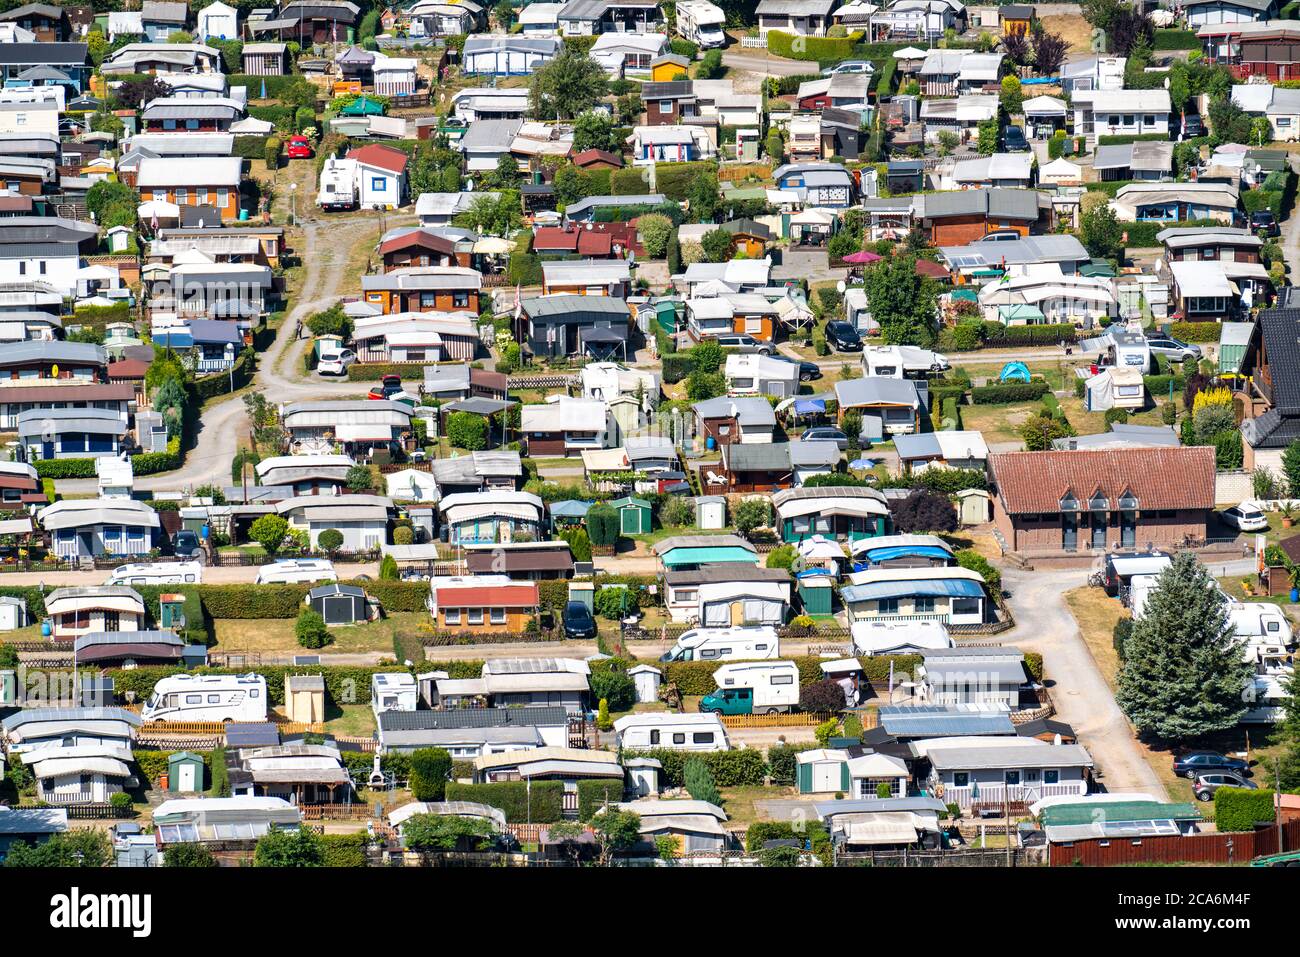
[
  {"x": 754, "y": 687},
  {"x": 296, "y": 570},
  {"x": 725, "y": 644},
  {"x": 207, "y": 698},
  {"x": 1265, "y": 697},
  {"x": 680, "y": 732},
  {"x": 157, "y": 573}
]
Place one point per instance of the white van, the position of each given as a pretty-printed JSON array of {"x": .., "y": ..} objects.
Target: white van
[
  {"x": 662, "y": 729},
  {"x": 289, "y": 571},
  {"x": 157, "y": 573},
  {"x": 774, "y": 687},
  {"x": 207, "y": 698},
  {"x": 725, "y": 644}
]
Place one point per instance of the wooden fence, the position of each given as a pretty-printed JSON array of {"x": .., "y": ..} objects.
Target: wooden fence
[
  {"x": 794, "y": 719},
  {"x": 1229, "y": 848},
  {"x": 220, "y": 727},
  {"x": 334, "y": 812}
]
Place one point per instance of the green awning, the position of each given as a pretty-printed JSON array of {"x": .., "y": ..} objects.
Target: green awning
[{"x": 708, "y": 556}]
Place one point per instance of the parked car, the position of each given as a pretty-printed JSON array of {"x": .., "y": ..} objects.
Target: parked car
[
  {"x": 1246, "y": 517},
  {"x": 389, "y": 386},
  {"x": 1206, "y": 784},
  {"x": 849, "y": 66},
  {"x": 336, "y": 363},
  {"x": 578, "y": 621},
  {"x": 842, "y": 337},
  {"x": 1013, "y": 140},
  {"x": 298, "y": 147},
  {"x": 1194, "y": 763},
  {"x": 1174, "y": 349},
  {"x": 186, "y": 545},
  {"x": 826, "y": 433},
  {"x": 745, "y": 344},
  {"x": 807, "y": 370},
  {"x": 1193, "y": 125},
  {"x": 1262, "y": 222}
]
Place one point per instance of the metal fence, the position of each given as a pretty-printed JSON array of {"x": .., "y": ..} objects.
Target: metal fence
[{"x": 972, "y": 857}]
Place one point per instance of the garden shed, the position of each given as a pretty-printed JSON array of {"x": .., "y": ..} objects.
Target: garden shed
[
  {"x": 185, "y": 772},
  {"x": 646, "y": 678},
  {"x": 304, "y": 698},
  {"x": 710, "y": 512},
  {"x": 815, "y": 592},
  {"x": 635, "y": 516},
  {"x": 821, "y": 771},
  {"x": 13, "y": 613},
  {"x": 974, "y": 506},
  {"x": 339, "y": 604}
]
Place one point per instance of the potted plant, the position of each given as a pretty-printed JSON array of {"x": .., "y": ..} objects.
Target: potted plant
[{"x": 1287, "y": 514}]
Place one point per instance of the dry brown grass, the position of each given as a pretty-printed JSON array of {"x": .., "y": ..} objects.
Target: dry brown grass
[
  {"x": 1072, "y": 27},
  {"x": 1097, "y": 614}
]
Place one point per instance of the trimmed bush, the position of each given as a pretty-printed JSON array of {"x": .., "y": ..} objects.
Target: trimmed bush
[
  {"x": 545, "y": 805},
  {"x": 430, "y": 769},
  {"x": 594, "y": 793},
  {"x": 1006, "y": 392},
  {"x": 1195, "y": 331},
  {"x": 744, "y": 767},
  {"x": 344, "y": 850},
  {"x": 1240, "y": 809},
  {"x": 811, "y": 48}
]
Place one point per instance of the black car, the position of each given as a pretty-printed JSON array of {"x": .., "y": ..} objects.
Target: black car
[
  {"x": 1263, "y": 223},
  {"x": 1013, "y": 140},
  {"x": 186, "y": 544},
  {"x": 578, "y": 622},
  {"x": 807, "y": 370},
  {"x": 1194, "y": 763},
  {"x": 1193, "y": 126},
  {"x": 842, "y": 337}
]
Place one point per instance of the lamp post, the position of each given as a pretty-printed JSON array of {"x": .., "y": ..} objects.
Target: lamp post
[{"x": 293, "y": 205}]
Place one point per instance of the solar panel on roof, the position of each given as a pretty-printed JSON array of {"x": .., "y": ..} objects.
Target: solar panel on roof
[{"x": 252, "y": 735}]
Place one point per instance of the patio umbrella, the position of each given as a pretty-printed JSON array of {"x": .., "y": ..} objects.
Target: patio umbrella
[{"x": 862, "y": 258}]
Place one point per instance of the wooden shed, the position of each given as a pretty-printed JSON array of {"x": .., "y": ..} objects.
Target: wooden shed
[
  {"x": 635, "y": 516},
  {"x": 304, "y": 698}
]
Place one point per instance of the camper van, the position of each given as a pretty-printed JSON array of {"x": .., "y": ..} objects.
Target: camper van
[
  {"x": 1265, "y": 697},
  {"x": 662, "y": 729},
  {"x": 1117, "y": 571},
  {"x": 701, "y": 22},
  {"x": 157, "y": 573},
  {"x": 725, "y": 644},
  {"x": 295, "y": 570},
  {"x": 1260, "y": 623},
  {"x": 754, "y": 687},
  {"x": 207, "y": 698}
]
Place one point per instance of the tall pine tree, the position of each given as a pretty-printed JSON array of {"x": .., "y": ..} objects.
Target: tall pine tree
[{"x": 1183, "y": 673}]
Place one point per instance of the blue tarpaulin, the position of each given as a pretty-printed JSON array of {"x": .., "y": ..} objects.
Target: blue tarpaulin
[
  {"x": 902, "y": 551},
  {"x": 925, "y": 588}
]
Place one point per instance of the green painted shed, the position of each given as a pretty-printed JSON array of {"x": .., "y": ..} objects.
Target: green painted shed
[
  {"x": 635, "y": 515},
  {"x": 821, "y": 771},
  {"x": 815, "y": 594},
  {"x": 185, "y": 772}
]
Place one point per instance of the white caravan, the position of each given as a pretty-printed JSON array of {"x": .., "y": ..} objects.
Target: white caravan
[
  {"x": 701, "y": 22},
  {"x": 680, "y": 732},
  {"x": 775, "y": 685},
  {"x": 157, "y": 573},
  {"x": 297, "y": 570},
  {"x": 207, "y": 698},
  {"x": 725, "y": 644}
]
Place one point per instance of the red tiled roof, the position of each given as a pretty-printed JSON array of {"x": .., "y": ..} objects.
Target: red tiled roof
[
  {"x": 1160, "y": 478},
  {"x": 439, "y": 244},
  {"x": 594, "y": 244},
  {"x": 555, "y": 237},
  {"x": 385, "y": 157},
  {"x": 590, "y": 157},
  {"x": 127, "y": 369},
  {"x": 522, "y": 595}
]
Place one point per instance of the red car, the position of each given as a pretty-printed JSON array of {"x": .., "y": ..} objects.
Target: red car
[{"x": 298, "y": 147}]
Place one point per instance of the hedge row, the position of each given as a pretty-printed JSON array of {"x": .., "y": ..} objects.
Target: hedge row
[
  {"x": 674, "y": 179},
  {"x": 344, "y": 850},
  {"x": 1005, "y": 392},
  {"x": 593, "y": 794},
  {"x": 743, "y": 767},
  {"x": 1158, "y": 385},
  {"x": 1143, "y": 235},
  {"x": 375, "y": 371},
  {"x": 151, "y": 463},
  {"x": 249, "y": 147},
  {"x": 218, "y": 383},
  {"x": 344, "y": 684},
  {"x": 285, "y": 601},
  {"x": 1042, "y": 335},
  {"x": 1196, "y": 331},
  {"x": 1176, "y": 40},
  {"x": 540, "y": 803},
  {"x": 811, "y": 48},
  {"x": 1239, "y": 809}
]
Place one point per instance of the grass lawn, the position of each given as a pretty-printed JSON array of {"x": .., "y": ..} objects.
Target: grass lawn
[
  {"x": 355, "y": 720},
  {"x": 999, "y": 423},
  {"x": 276, "y": 634},
  {"x": 251, "y": 549},
  {"x": 738, "y": 801},
  {"x": 1232, "y": 588}
]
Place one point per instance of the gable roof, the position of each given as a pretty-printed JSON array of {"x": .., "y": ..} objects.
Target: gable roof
[
  {"x": 384, "y": 157},
  {"x": 1160, "y": 478}
]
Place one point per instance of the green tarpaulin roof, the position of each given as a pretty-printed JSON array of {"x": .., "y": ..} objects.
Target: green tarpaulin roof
[
  {"x": 1116, "y": 812},
  {"x": 708, "y": 556},
  {"x": 363, "y": 106}
]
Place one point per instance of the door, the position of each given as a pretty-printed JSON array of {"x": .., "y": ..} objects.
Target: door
[
  {"x": 86, "y": 543},
  {"x": 630, "y": 520},
  {"x": 1127, "y": 529},
  {"x": 185, "y": 779},
  {"x": 826, "y": 776},
  {"x": 1069, "y": 532},
  {"x": 1033, "y": 784},
  {"x": 737, "y": 612},
  {"x": 47, "y": 450},
  {"x": 1098, "y": 522}
]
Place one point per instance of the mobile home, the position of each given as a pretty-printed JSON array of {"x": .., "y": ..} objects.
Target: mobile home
[
  {"x": 207, "y": 698},
  {"x": 392, "y": 691},
  {"x": 296, "y": 570},
  {"x": 754, "y": 687},
  {"x": 157, "y": 573},
  {"x": 725, "y": 644}
]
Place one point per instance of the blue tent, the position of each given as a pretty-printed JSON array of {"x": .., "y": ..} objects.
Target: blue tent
[
  {"x": 1015, "y": 370},
  {"x": 809, "y": 406}
]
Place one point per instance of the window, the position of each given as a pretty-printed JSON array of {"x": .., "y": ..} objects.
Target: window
[
  {"x": 378, "y": 184},
  {"x": 702, "y": 737},
  {"x": 1012, "y": 777},
  {"x": 135, "y": 534},
  {"x": 665, "y": 106},
  {"x": 476, "y": 616},
  {"x": 1051, "y": 777},
  {"x": 214, "y": 699},
  {"x": 112, "y": 621},
  {"x": 498, "y": 616},
  {"x": 924, "y": 606},
  {"x": 194, "y": 699},
  {"x": 223, "y": 197},
  {"x": 887, "y": 606},
  {"x": 254, "y": 693},
  {"x": 679, "y": 738},
  {"x": 112, "y": 536},
  {"x": 451, "y": 616},
  {"x": 460, "y": 300},
  {"x": 782, "y": 679},
  {"x": 961, "y": 779},
  {"x": 654, "y": 736}
]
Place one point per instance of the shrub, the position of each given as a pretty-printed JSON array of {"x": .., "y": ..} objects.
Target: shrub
[
  {"x": 699, "y": 782},
  {"x": 822, "y": 697},
  {"x": 272, "y": 154},
  {"x": 602, "y": 525},
  {"x": 120, "y": 803},
  {"x": 1239, "y": 809},
  {"x": 541, "y": 802},
  {"x": 465, "y": 430},
  {"x": 388, "y": 570},
  {"x": 614, "y": 688},
  {"x": 782, "y": 764},
  {"x": 811, "y": 48},
  {"x": 269, "y": 531},
  {"x": 1007, "y": 392},
  {"x": 743, "y": 767},
  {"x": 924, "y": 511},
  {"x": 344, "y": 850},
  {"x": 1114, "y": 415},
  {"x": 595, "y": 793},
  {"x": 310, "y": 630},
  {"x": 188, "y": 855},
  {"x": 331, "y": 540},
  {"x": 430, "y": 769}
]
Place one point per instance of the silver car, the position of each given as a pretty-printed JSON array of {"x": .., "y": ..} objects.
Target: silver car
[
  {"x": 745, "y": 344},
  {"x": 1206, "y": 784},
  {"x": 1174, "y": 349}
]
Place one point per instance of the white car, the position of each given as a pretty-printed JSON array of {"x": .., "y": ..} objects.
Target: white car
[
  {"x": 1246, "y": 517},
  {"x": 336, "y": 363}
]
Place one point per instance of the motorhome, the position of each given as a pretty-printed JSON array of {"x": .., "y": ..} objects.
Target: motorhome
[
  {"x": 1265, "y": 697},
  {"x": 1260, "y": 623},
  {"x": 701, "y": 22},
  {"x": 754, "y": 687},
  {"x": 899, "y": 637},
  {"x": 207, "y": 698},
  {"x": 392, "y": 691},
  {"x": 725, "y": 644},
  {"x": 338, "y": 184},
  {"x": 662, "y": 729},
  {"x": 1117, "y": 571},
  {"x": 297, "y": 570},
  {"x": 157, "y": 573}
]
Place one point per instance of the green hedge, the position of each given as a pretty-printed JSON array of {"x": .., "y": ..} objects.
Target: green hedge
[
  {"x": 65, "y": 468},
  {"x": 374, "y": 371},
  {"x": 744, "y": 767},
  {"x": 249, "y": 147},
  {"x": 1048, "y": 334},
  {"x": 594, "y": 793},
  {"x": 1176, "y": 40},
  {"x": 344, "y": 850},
  {"x": 674, "y": 179},
  {"x": 1196, "y": 331},
  {"x": 1240, "y": 809},
  {"x": 544, "y": 806},
  {"x": 1158, "y": 385},
  {"x": 811, "y": 48},
  {"x": 1005, "y": 392},
  {"x": 677, "y": 366},
  {"x": 151, "y": 463},
  {"x": 218, "y": 383},
  {"x": 1143, "y": 235},
  {"x": 344, "y": 684},
  {"x": 1126, "y": 138},
  {"x": 286, "y": 601}
]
